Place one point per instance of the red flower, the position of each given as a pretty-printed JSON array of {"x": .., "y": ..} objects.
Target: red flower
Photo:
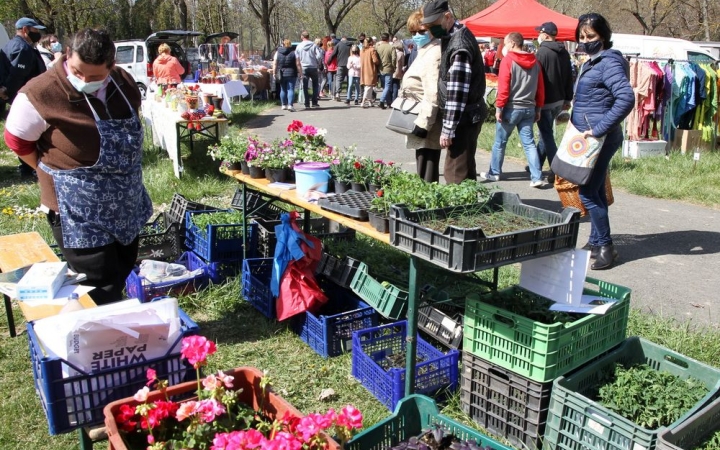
[
  {"x": 125, "y": 418},
  {"x": 295, "y": 126},
  {"x": 379, "y": 192},
  {"x": 357, "y": 165}
]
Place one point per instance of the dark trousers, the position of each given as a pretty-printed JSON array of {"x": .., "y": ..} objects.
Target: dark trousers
[
  {"x": 311, "y": 75},
  {"x": 106, "y": 267},
  {"x": 428, "y": 164},
  {"x": 460, "y": 157},
  {"x": 341, "y": 76}
]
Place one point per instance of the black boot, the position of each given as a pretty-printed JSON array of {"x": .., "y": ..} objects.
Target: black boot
[
  {"x": 605, "y": 258},
  {"x": 593, "y": 249},
  {"x": 382, "y": 105}
]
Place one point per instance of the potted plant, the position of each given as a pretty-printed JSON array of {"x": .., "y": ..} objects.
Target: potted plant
[
  {"x": 252, "y": 158},
  {"x": 231, "y": 151},
  {"x": 362, "y": 170},
  {"x": 276, "y": 158},
  {"x": 379, "y": 211},
  {"x": 341, "y": 169},
  {"x": 379, "y": 173}
]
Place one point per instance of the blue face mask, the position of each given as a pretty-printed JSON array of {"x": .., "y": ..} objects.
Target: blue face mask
[
  {"x": 56, "y": 47},
  {"x": 421, "y": 40},
  {"x": 89, "y": 87}
]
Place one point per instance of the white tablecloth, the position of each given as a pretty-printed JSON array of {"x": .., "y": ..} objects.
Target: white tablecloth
[
  {"x": 163, "y": 122},
  {"x": 227, "y": 91}
]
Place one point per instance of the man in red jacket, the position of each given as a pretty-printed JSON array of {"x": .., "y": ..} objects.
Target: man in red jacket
[{"x": 520, "y": 97}]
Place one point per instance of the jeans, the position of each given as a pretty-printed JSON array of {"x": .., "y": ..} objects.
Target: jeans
[
  {"x": 287, "y": 90},
  {"x": 386, "y": 79},
  {"x": 523, "y": 120},
  {"x": 340, "y": 76},
  {"x": 354, "y": 83},
  {"x": 547, "y": 147},
  {"x": 330, "y": 78},
  {"x": 311, "y": 74},
  {"x": 593, "y": 193},
  {"x": 395, "y": 90}
]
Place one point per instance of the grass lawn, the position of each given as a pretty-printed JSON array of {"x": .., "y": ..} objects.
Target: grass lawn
[{"x": 244, "y": 336}]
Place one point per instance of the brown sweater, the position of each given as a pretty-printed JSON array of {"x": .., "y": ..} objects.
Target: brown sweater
[{"x": 72, "y": 140}]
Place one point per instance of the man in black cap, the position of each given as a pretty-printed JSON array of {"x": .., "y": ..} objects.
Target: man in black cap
[
  {"x": 461, "y": 91},
  {"x": 341, "y": 52},
  {"x": 20, "y": 63},
  {"x": 555, "y": 62}
]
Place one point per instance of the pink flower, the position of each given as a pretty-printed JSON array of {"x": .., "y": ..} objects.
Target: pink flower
[
  {"x": 350, "y": 416},
  {"x": 186, "y": 410},
  {"x": 283, "y": 441},
  {"x": 209, "y": 409},
  {"x": 254, "y": 439},
  {"x": 196, "y": 349},
  {"x": 308, "y": 130},
  {"x": 142, "y": 395},
  {"x": 151, "y": 376},
  {"x": 308, "y": 428},
  {"x": 322, "y": 420},
  {"x": 227, "y": 380},
  {"x": 151, "y": 439},
  {"x": 211, "y": 383}
]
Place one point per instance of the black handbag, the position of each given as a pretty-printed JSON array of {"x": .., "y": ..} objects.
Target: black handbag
[{"x": 403, "y": 112}]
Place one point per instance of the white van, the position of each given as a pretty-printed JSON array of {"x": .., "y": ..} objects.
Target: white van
[{"x": 660, "y": 47}]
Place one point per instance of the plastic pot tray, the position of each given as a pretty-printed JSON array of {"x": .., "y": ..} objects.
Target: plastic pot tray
[
  {"x": 469, "y": 249},
  {"x": 351, "y": 203}
]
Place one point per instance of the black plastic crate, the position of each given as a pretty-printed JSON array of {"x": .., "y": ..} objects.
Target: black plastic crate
[
  {"x": 321, "y": 227},
  {"x": 447, "y": 329},
  {"x": 340, "y": 271},
  {"x": 257, "y": 205},
  {"x": 351, "y": 203},
  {"x": 161, "y": 240},
  {"x": 469, "y": 249},
  {"x": 697, "y": 429},
  {"x": 503, "y": 402},
  {"x": 179, "y": 206}
]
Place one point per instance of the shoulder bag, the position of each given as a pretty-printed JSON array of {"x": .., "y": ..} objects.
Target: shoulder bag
[
  {"x": 576, "y": 156},
  {"x": 403, "y": 112}
]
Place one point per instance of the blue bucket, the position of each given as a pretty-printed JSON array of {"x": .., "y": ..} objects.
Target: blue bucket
[{"x": 311, "y": 176}]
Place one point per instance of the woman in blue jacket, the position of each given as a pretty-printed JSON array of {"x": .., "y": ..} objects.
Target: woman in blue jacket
[{"x": 603, "y": 98}]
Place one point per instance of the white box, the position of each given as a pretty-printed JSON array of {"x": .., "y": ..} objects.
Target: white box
[
  {"x": 643, "y": 149},
  {"x": 42, "y": 281}
]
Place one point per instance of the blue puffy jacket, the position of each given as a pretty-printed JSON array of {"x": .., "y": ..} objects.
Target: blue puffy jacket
[{"x": 603, "y": 96}]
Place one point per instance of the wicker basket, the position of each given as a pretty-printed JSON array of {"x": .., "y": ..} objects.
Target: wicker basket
[{"x": 569, "y": 194}]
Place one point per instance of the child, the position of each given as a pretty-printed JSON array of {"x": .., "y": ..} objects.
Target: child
[{"x": 353, "y": 66}]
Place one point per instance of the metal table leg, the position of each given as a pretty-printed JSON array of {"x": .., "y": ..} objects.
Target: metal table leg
[
  {"x": 10, "y": 317},
  {"x": 411, "y": 338}
]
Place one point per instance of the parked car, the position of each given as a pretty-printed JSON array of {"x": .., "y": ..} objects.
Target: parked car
[
  {"x": 661, "y": 47},
  {"x": 137, "y": 56}
]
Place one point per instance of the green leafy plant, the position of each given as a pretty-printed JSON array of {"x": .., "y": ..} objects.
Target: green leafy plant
[
  {"x": 413, "y": 192},
  {"x": 648, "y": 397},
  {"x": 362, "y": 169},
  {"x": 278, "y": 155},
  {"x": 342, "y": 165},
  {"x": 380, "y": 172},
  {"x": 232, "y": 148},
  {"x": 203, "y": 220}
]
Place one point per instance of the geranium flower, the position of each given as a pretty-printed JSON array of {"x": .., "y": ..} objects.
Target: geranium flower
[
  {"x": 351, "y": 416},
  {"x": 142, "y": 395},
  {"x": 357, "y": 165},
  {"x": 226, "y": 380},
  {"x": 308, "y": 130},
  {"x": 209, "y": 409},
  {"x": 308, "y": 428},
  {"x": 196, "y": 349},
  {"x": 186, "y": 409},
  {"x": 151, "y": 376},
  {"x": 295, "y": 126}
]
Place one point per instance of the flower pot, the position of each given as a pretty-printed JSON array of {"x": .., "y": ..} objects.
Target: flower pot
[
  {"x": 379, "y": 221},
  {"x": 276, "y": 175},
  {"x": 358, "y": 187},
  {"x": 244, "y": 167},
  {"x": 207, "y": 99},
  {"x": 341, "y": 186},
  {"x": 373, "y": 188},
  {"x": 234, "y": 166},
  {"x": 257, "y": 172},
  {"x": 191, "y": 101},
  {"x": 247, "y": 382},
  {"x": 217, "y": 103},
  {"x": 290, "y": 175}
]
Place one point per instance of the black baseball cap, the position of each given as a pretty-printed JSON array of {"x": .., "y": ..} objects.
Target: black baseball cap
[
  {"x": 434, "y": 10},
  {"x": 548, "y": 28}
]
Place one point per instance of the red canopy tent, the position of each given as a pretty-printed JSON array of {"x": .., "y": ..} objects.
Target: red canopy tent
[{"x": 505, "y": 16}]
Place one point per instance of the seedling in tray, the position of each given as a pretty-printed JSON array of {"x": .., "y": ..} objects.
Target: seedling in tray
[
  {"x": 216, "y": 218},
  {"x": 492, "y": 223},
  {"x": 437, "y": 438},
  {"x": 527, "y": 304}
]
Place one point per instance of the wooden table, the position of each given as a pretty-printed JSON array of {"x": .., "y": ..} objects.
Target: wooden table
[{"x": 24, "y": 249}]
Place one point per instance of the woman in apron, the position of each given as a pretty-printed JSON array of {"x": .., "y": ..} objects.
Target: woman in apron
[{"x": 78, "y": 124}]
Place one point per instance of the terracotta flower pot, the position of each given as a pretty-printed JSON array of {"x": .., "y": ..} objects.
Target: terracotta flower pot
[{"x": 192, "y": 101}]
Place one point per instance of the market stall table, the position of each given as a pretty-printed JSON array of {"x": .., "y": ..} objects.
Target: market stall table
[
  {"x": 169, "y": 130},
  {"x": 225, "y": 90}
]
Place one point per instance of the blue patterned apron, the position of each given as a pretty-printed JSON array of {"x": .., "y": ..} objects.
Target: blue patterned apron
[{"x": 107, "y": 201}]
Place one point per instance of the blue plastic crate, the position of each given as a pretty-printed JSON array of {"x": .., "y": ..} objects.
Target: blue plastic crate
[
  {"x": 219, "y": 243},
  {"x": 329, "y": 331},
  {"x": 144, "y": 290},
  {"x": 78, "y": 401},
  {"x": 256, "y": 276},
  {"x": 221, "y": 271},
  {"x": 434, "y": 370}
]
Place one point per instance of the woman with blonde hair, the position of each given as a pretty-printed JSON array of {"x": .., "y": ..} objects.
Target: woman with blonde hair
[
  {"x": 369, "y": 63},
  {"x": 166, "y": 68},
  {"x": 285, "y": 64}
]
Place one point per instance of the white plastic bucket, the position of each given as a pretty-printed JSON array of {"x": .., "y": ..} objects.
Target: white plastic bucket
[{"x": 311, "y": 176}]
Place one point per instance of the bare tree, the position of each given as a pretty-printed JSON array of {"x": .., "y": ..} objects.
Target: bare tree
[
  {"x": 335, "y": 11},
  {"x": 392, "y": 15},
  {"x": 263, "y": 10}
]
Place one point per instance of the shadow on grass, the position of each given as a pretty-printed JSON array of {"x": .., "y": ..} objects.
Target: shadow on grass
[{"x": 686, "y": 242}]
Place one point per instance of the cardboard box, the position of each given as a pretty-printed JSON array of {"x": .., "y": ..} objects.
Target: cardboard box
[
  {"x": 643, "y": 149},
  {"x": 42, "y": 281},
  {"x": 689, "y": 141}
]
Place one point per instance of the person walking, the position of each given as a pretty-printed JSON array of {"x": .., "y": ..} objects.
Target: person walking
[
  {"x": 399, "y": 72},
  {"x": 420, "y": 83},
  {"x": 388, "y": 60},
  {"x": 22, "y": 63},
  {"x": 285, "y": 63},
  {"x": 556, "y": 68},
  {"x": 603, "y": 98},
  {"x": 341, "y": 53},
  {"x": 330, "y": 67},
  {"x": 78, "y": 124},
  {"x": 370, "y": 63},
  {"x": 308, "y": 66},
  {"x": 489, "y": 57},
  {"x": 520, "y": 97},
  {"x": 461, "y": 94},
  {"x": 354, "y": 67}
]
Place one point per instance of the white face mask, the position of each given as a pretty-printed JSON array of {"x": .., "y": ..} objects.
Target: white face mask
[
  {"x": 540, "y": 39},
  {"x": 89, "y": 87}
]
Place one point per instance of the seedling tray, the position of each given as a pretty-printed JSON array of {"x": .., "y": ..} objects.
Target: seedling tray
[
  {"x": 390, "y": 301},
  {"x": 694, "y": 431},
  {"x": 256, "y": 276},
  {"x": 373, "y": 346},
  {"x": 469, "y": 249},
  {"x": 340, "y": 271},
  {"x": 536, "y": 350},
  {"x": 351, "y": 203},
  {"x": 503, "y": 402},
  {"x": 413, "y": 415},
  {"x": 144, "y": 290},
  {"x": 576, "y": 422},
  {"x": 161, "y": 240}
]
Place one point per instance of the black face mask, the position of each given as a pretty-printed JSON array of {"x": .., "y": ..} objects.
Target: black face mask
[
  {"x": 591, "y": 48},
  {"x": 438, "y": 31},
  {"x": 34, "y": 36}
]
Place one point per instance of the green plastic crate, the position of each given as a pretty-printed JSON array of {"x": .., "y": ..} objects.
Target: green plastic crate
[
  {"x": 539, "y": 351},
  {"x": 390, "y": 301},
  {"x": 413, "y": 415},
  {"x": 694, "y": 431},
  {"x": 575, "y": 422}
]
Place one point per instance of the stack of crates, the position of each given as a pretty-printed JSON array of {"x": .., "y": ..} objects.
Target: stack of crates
[{"x": 510, "y": 361}]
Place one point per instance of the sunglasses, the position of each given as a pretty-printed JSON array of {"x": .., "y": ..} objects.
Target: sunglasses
[{"x": 419, "y": 32}]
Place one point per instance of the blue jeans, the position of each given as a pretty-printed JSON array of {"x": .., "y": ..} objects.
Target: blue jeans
[
  {"x": 523, "y": 120},
  {"x": 330, "y": 78},
  {"x": 395, "y": 90},
  {"x": 593, "y": 193},
  {"x": 287, "y": 90},
  {"x": 354, "y": 83},
  {"x": 311, "y": 74},
  {"x": 387, "y": 86},
  {"x": 547, "y": 147}
]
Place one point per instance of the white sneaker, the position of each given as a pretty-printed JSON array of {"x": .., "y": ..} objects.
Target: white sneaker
[
  {"x": 291, "y": 109},
  {"x": 489, "y": 177},
  {"x": 537, "y": 184},
  {"x": 284, "y": 107}
]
